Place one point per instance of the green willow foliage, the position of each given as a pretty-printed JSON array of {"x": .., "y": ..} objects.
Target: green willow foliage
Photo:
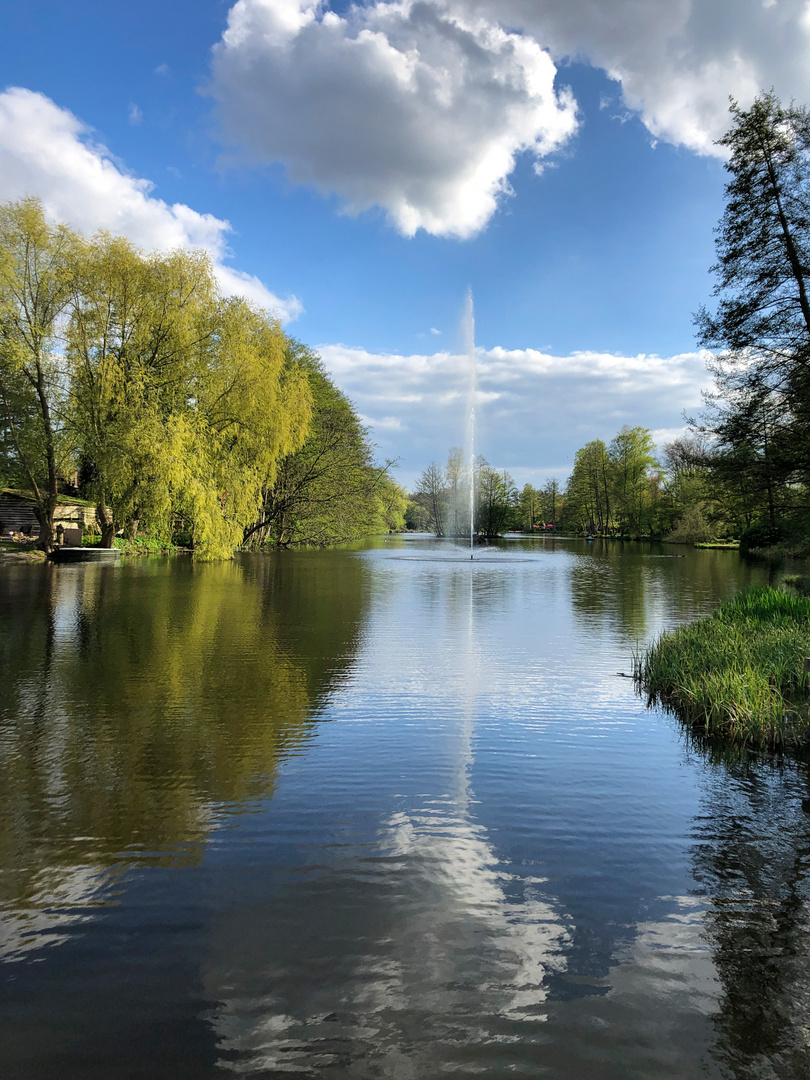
[
  {"x": 180, "y": 402},
  {"x": 178, "y": 407},
  {"x": 330, "y": 490},
  {"x": 37, "y": 264}
]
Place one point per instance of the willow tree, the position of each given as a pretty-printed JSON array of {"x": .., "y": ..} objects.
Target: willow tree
[
  {"x": 180, "y": 402},
  {"x": 137, "y": 326},
  {"x": 252, "y": 411},
  {"x": 37, "y": 265},
  {"x": 330, "y": 490}
]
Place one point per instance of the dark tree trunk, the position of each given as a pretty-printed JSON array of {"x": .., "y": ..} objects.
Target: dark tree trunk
[
  {"x": 106, "y": 524},
  {"x": 44, "y": 509}
]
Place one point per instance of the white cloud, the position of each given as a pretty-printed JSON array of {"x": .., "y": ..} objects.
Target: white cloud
[
  {"x": 239, "y": 283},
  {"x": 48, "y": 152},
  {"x": 677, "y": 60},
  {"x": 422, "y": 106},
  {"x": 391, "y": 423},
  {"x": 662, "y": 436},
  {"x": 533, "y": 412},
  {"x": 408, "y": 105}
]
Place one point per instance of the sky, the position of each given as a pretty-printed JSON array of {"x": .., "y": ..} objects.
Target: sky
[{"x": 356, "y": 168}]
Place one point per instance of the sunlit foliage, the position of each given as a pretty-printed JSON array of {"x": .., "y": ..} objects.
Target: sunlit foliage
[
  {"x": 179, "y": 409},
  {"x": 37, "y": 266},
  {"x": 330, "y": 490}
]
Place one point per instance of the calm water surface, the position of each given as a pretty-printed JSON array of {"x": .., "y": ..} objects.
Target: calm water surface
[{"x": 384, "y": 813}]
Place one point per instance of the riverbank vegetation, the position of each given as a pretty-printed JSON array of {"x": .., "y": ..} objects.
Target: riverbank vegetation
[
  {"x": 618, "y": 489},
  {"x": 130, "y": 378},
  {"x": 739, "y": 673}
]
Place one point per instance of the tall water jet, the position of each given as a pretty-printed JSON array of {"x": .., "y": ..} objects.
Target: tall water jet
[{"x": 469, "y": 341}]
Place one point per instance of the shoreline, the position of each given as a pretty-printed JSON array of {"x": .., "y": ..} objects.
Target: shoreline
[{"x": 740, "y": 673}]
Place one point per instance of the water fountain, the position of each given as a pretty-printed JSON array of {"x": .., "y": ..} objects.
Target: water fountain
[{"x": 469, "y": 336}]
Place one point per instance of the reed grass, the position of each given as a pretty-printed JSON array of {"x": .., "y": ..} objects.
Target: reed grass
[{"x": 738, "y": 673}]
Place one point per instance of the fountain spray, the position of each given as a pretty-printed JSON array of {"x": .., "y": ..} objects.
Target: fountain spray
[{"x": 469, "y": 329}]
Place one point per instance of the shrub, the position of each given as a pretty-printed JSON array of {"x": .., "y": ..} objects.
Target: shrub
[{"x": 693, "y": 528}]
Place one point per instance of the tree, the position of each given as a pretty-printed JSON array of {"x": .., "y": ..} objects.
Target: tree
[
  {"x": 588, "y": 494},
  {"x": 391, "y": 501},
  {"x": 763, "y": 243},
  {"x": 687, "y": 489},
  {"x": 135, "y": 343},
  {"x": 759, "y": 412},
  {"x": 330, "y": 490},
  {"x": 551, "y": 500},
  {"x": 417, "y": 519},
  {"x": 37, "y": 264},
  {"x": 181, "y": 405},
  {"x": 632, "y": 456},
  {"x": 431, "y": 492},
  {"x": 530, "y": 507},
  {"x": 251, "y": 413},
  {"x": 497, "y": 500}
]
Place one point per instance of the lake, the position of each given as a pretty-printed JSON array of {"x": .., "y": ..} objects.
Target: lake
[{"x": 386, "y": 812}]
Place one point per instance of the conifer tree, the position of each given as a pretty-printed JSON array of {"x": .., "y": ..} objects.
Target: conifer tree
[{"x": 760, "y": 330}]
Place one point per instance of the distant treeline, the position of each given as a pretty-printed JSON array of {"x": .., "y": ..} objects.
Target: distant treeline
[
  {"x": 687, "y": 492},
  {"x": 620, "y": 489},
  {"x": 130, "y": 380}
]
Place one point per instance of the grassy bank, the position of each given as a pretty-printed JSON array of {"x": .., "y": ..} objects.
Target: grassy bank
[
  {"x": 141, "y": 545},
  {"x": 738, "y": 673},
  {"x": 14, "y": 550}
]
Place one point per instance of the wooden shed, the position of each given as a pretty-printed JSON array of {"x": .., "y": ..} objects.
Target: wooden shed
[{"x": 17, "y": 513}]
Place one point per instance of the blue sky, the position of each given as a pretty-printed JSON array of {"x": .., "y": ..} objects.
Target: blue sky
[{"x": 372, "y": 163}]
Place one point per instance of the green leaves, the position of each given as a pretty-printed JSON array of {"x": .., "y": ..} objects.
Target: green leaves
[
  {"x": 173, "y": 403},
  {"x": 329, "y": 489},
  {"x": 615, "y": 488},
  {"x": 760, "y": 330}
]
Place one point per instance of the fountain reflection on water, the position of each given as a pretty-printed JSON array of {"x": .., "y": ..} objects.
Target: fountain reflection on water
[{"x": 428, "y": 929}]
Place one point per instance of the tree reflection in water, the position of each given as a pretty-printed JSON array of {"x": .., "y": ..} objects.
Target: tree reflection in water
[
  {"x": 752, "y": 858},
  {"x": 137, "y": 706},
  {"x": 630, "y": 588},
  {"x": 418, "y": 952}
]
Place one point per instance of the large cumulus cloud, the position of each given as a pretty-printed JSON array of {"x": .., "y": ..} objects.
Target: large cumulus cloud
[
  {"x": 411, "y": 105},
  {"x": 48, "y": 152},
  {"x": 677, "y": 61},
  {"x": 421, "y": 107}
]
